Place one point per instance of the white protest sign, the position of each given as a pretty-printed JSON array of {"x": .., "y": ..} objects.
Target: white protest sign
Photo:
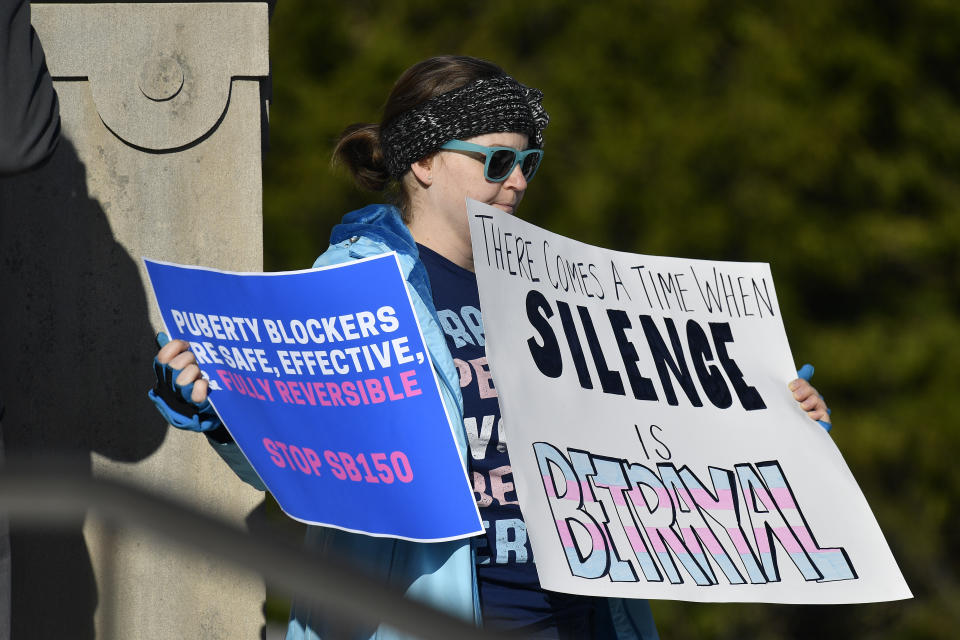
[{"x": 656, "y": 449}]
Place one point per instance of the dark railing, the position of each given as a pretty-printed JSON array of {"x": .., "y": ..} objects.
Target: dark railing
[{"x": 48, "y": 494}]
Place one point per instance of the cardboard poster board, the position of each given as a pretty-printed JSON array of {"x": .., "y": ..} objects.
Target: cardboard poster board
[
  {"x": 657, "y": 451},
  {"x": 323, "y": 380}
]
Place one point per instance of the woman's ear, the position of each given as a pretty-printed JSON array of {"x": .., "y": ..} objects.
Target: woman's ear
[{"x": 423, "y": 170}]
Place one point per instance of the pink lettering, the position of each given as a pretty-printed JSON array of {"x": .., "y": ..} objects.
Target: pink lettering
[
  {"x": 498, "y": 487},
  {"x": 484, "y": 381},
  {"x": 282, "y": 390},
  {"x": 409, "y": 380}
]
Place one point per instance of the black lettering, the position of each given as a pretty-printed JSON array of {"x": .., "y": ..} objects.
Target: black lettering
[
  {"x": 610, "y": 381},
  {"x": 765, "y": 299},
  {"x": 583, "y": 277},
  {"x": 712, "y": 381},
  {"x": 546, "y": 355},
  {"x": 641, "y": 386},
  {"x": 617, "y": 282},
  {"x": 743, "y": 296},
  {"x": 498, "y": 249},
  {"x": 483, "y": 223},
  {"x": 593, "y": 274},
  {"x": 664, "y": 361},
  {"x": 665, "y": 454},
  {"x": 520, "y": 253},
  {"x": 730, "y": 294},
  {"x": 749, "y": 396},
  {"x": 709, "y": 297},
  {"x": 573, "y": 340},
  {"x": 572, "y": 275},
  {"x": 644, "y": 284},
  {"x": 546, "y": 265},
  {"x": 533, "y": 278},
  {"x": 506, "y": 241}
]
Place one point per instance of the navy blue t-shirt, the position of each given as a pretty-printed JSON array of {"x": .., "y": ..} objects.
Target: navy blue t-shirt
[{"x": 510, "y": 593}]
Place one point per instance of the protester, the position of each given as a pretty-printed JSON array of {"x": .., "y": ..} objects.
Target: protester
[
  {"x": 29, "y": 132},
  {"x": 452, "y": 128},
  {"x": 29, "y": 113}
]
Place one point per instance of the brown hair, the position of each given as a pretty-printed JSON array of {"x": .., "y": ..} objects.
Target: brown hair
[{"x": 359, "y": 145}]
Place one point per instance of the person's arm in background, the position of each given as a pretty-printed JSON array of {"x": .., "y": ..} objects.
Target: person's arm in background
[{"x": 29, "y": 112}]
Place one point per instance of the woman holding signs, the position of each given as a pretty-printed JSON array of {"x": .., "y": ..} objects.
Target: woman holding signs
[{"x": 452, "y": 128}]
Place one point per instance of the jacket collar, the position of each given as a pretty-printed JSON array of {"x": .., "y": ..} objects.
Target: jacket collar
[{"x": 383, "y": 223}]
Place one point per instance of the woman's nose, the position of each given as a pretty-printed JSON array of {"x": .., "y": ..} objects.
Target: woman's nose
[{"x": 516, "y": 180}]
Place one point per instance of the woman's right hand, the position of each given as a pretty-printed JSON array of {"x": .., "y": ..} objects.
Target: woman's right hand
[
  {"x": 181, "y": 391},
  {"x": 177, "y": 355}
]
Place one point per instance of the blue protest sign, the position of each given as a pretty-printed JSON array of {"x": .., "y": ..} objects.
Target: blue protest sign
[{"x": 323, "y": 379}]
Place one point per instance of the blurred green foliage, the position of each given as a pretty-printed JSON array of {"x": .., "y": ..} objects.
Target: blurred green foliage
[{"x": 820, "y": 136}]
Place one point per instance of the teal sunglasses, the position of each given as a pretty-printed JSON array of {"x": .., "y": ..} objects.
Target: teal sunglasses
[{"x": 500, "y": 161}]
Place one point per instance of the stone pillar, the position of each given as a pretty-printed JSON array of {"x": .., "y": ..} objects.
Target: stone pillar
[{"x": 164, "y": 115}]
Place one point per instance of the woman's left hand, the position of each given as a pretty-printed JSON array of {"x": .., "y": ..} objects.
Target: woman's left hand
[{"x": 808, "y": 397}]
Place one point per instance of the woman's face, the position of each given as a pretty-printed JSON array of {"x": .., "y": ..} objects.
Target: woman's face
[
  {"x": 459, "y": 174},
  {"x": 445, "y": 180},
  {"x": 440, "y": 212}
]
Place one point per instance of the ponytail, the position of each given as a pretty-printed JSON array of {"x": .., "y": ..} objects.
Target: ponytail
[{"x": 358, "y": 148}]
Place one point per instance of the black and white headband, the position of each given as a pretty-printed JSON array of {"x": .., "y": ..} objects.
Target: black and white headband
[{"x": 488, "y": 105}]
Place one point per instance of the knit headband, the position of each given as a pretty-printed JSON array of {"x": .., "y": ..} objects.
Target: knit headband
[{"x": 488, "y": 105}]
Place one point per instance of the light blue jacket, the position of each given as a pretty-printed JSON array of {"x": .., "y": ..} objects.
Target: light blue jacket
[{"x": 441, "y": 574}]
